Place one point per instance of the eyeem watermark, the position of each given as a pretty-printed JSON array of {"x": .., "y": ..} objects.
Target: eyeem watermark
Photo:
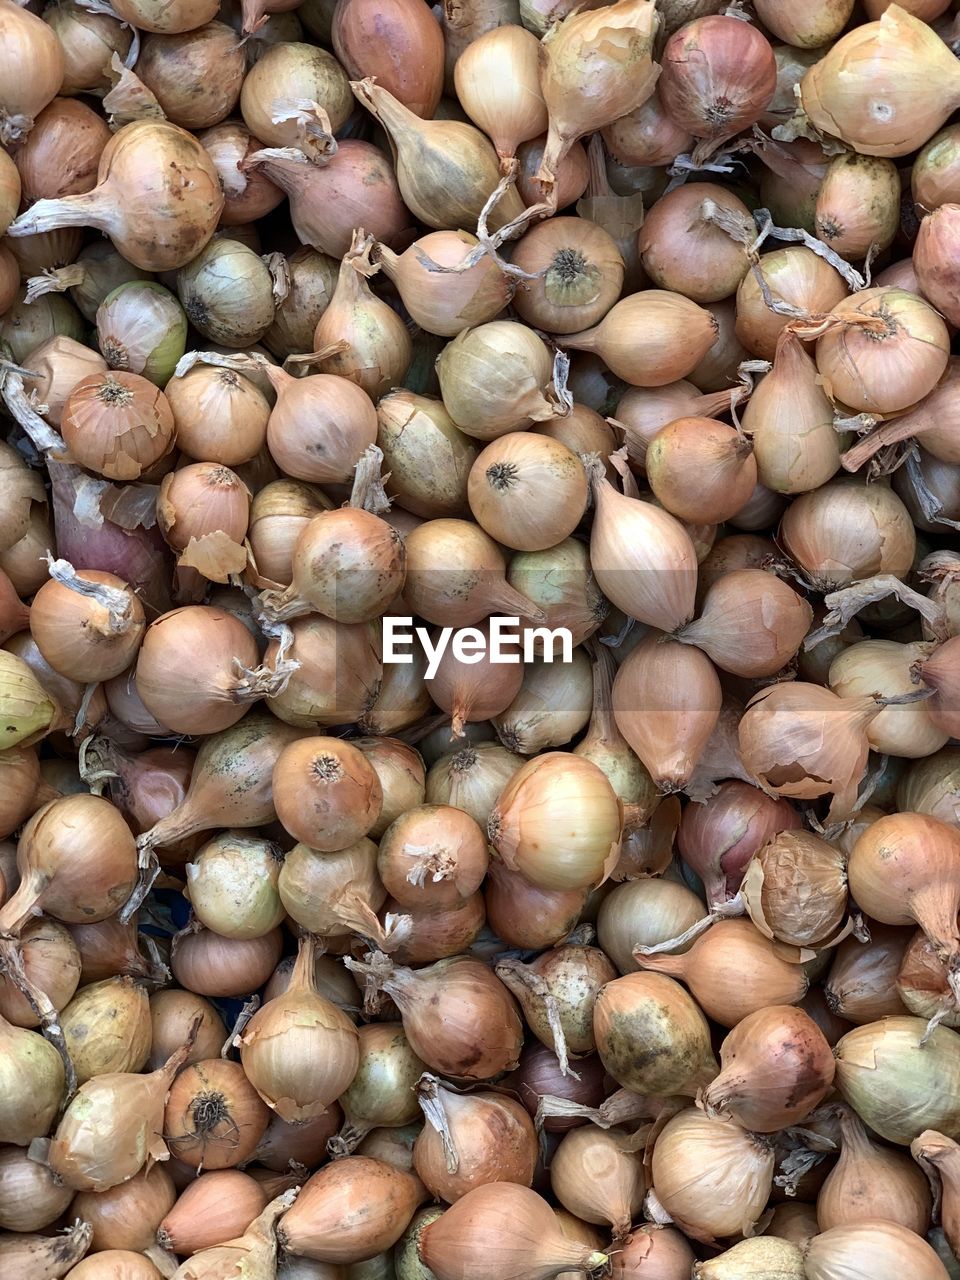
[{"x": 501, "y": 640}]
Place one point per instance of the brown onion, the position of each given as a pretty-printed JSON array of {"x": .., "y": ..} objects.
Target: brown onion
[
  {"x": 403, "y": 48},
  {"x": 871, "y": 1181},
  {"x": 624, "y": 337},
  {"x": 718, "y": 456},
  {"x": 598, "y": 1176},
  {"x": 879, "y": 1248},
  {"x": 217, "y": 1207},
  {"x": 524, "y": 915},
  {"x": 127, "y": 1216},
  {"x": 31, "y": 1196},
  {"x": 326, "y": 793},
  {"x": 214, "y": 1117},
  {"x": 794, "y": 275},
  {"x": 172, "y": 1014},
  {"x": 209, "y": 965}
]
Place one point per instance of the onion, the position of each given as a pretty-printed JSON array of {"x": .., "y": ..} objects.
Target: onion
[
  {"x": 61, "y": 154},
  {"x": 646, "y": 136},
  {"x": 77, "y": 860},
  {"x": 445, "y": 170},
  {"x": 580, "y": 275},
  {"x": 557, "y": 992},
  {"x": 680, "y": 695},
  {"x": 149, "y": 220},
  {"x": 218, "y": 1207},
  {"x": 227, "y": 293},
  {"x": 662, "y": 1251},
  {"x": 203, "y": 510},
  {"x": 195, "y": 76},
  {"x": 720, "y": 458},
  {"x": 457, "y": 1016},
  {"x": 216, "y": 690},
  {"x": 381, "y": 1094},
  {"x": 247, "y": 195},
  {"x": 472, "y": 584},
  {"x": 732, "y": 971},
  {"x": 802, "y": 741},
  {"x": 794, "y": 275},
  {"x": 304, "y": 1142},
  {"x": 524, "y": 915},
  {"x": 710, "y": 1176},
  {"x": 142, "y": 328},
  {"x": 887, "y": 1076},
  {"x": 33, "y": 67},
  {"x": 858, "y": 205},
  {"x": 19, "y": 781},
  {"x": 866, "y": 89},
  {"x": 401, "y": 773},
  {"x": 427, "y": 457},
  {"x": 294, "y": 71},
  {"x": 497, "y": 82},
  {"x": 356, "y": 187},
  {"x": 682, "y": 249},
  {"x": 843, "y": 532},
  {"x": 339, "y": 675},
  {"x": 776, "y": 1067},
  {"x": 403, "y": 48},
  {"x": 624, "y": 337},
  {"x": 643, "y": 558},
  {"x": 298, "y": 1050},
  {"x": 31, "y": 711},
  {"x": 502, "y": 1229},
  {"x": 209, "y": 965},
  {"x": 279, "y": 513},
  {"x": 496, "y": 378},
  {"x": 887, "y": 350},
  {"x": 597, "y": 1176},
  {"x": 117, "y": 424},
  {"x": 872, "y": 1181},
  {"x": 127, "y": 1216},
  {"x": 232, "y": 885},
  {"x": 793, "y": 870},
  {"x": 106, "y": 1028},
  {"x": 32, "y": 1198},
  {"x": 254, "y": 1252},
  {"x": 911, "y": 730},
  {"x": 861, "y": 985},
  {"x": 470, "y": 1140},
  {"x": 932, "y": 418},
  {"x": 87, "y": 625},
  {"x": 325, "y": 1223},
  {"x": 930, "y": 786},
  {"x": 937, "y": 1156},
  {"x": 87, "y": 41},
  {"x": 642, "y": 412},
  {"x": 49, "y": 1255},
  {"x": 571, "y": 177},
  {"x": 933, "y": 176},
  {"x": 214, "y": 1117},
  {"x": 677, "y": 1058},
  {"x": 432, "y": 857},
  {"x": 557, "y": 792},
  {"x": 644, "y": 913},
  {"x": 441, "y": 302},
  {"x": 319, "y": 427},
  {"x": 172, "y": 1014},
  {"x": 506, "y": 476},
  {"x": 939, "y": 671},
  {"x": 599, "y": 47},
  {"x": 112, "y": 1127},
  {"x": 335, "y": 895},
  {"x": 31, "y": 1072},
  {"x": 881, "y": 1249},
  {"x": 550, "y": 708},
  {"x": 717, "y": 79},
  {"x": 326, "y": 793}
]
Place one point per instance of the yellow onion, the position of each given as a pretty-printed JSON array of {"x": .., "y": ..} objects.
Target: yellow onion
[
  {"x": 937, "y": 1156},
  {"x": 444, "y": 302},
  {"x": 255, "y": 1252},
  {"x": 802, "y": 741},
  {"x": 339, "y": 676},
  {"x": 211, "y": 1210},
  {"x": 458, "y": 1017},
  {"x": 732, "y": 970},
  {"x": 219, "y": 415},
  {"x": 381, "y": 1094},
  {"x": 445, "y": 169},
  {"x": 557, "y": 992},
  {"x": 861, "y": 984},
  {"x": 579, "y": 274},
  {"x": 775, "y": 1068},
  {"x": 32, "y": 1198},
  {"x": 845, "y": 531},
  {"x": 858, "y": 205},
  {"x": 432, "y": 857},
  {"x": 909, "y": 730},
  {"x": 711, "y": 1177},
  {"x": 683, "y": 250},
  {"x": 33, "y": 67},
  {"x": 32, "y": 1079},
  {"x": 52, "y": 1256},
  {"x": 51, "y": 963},
  {"x": 677, "y": 1059},
  {"x": 558, "y": 822},
  {"x": 497, "y": 378},
  {"x": 172, "y": 1014},
  {"x": 335, "y": 894},
  {"x": 195, "y": 76},
  {"x": 644, "y": 913},
  {"x": 107, "y": 1028},
  {"x": 886, "y": 350},
  {"x": 117, "y": 424},
  {"x": 611, "y": 49},
  {"x": 279, "y": 513},
  {"x": 643, "y": 558},
  {"x": 472, "y": 778},
  {"x": 524, "y": 915},
  {"x": 666, "y": 703},
  {"x": 227, "y": 293},
  {"x": 127, "y": 1216},
  {"x": 498, "y": 85},
  {"x": 298, "y": 1050},
  {"x": 878, "y": 1248},
  {"x": 872, "y": 1181},
  {"x": 470, "y": 1140},
  {"x": 624, "y": 339},
  {"x": 789, "y": 418},
  {"x": 112, "y": 1127},
  {"x": 209, "y": 965},
  {"x": 232, "y": 883},
  {"x": 551, "y": 706},
  {"x": 401, "y": 773},
  {"x": 794, "y": 275},
  {"x": 885, "y": 87},
  {"x": 214, "y": 1118},
  {"x": 148, "y": 219},
  {"x": 505, "y": 1230},
  {"x": 401, "y": 46},
  {"x": 751, "y": 623},
  {"x": 598, "y": 1176},
  {"x": 720, "y": 458},
  {"x": 288, "y": 73},
  {"x": 758, "y": 1256},
  {"x": 350, "y": 1211},
  {"x": 898, "y": 1078}
]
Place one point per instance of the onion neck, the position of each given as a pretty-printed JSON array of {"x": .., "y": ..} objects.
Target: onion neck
[
  {"x": 935, "y": 907},
  {"x": 91, "y": 209},
  {"x": 396, "y": 119},
  {"x": 25, "y": 903},
  {"x": 303, "y": 978}
]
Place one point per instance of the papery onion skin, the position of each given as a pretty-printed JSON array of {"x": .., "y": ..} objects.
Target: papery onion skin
[
  {"x": 881, "y": 1249},
  {"x": 214, "y": 1118},
  {"x": 870, "y": 1181}
]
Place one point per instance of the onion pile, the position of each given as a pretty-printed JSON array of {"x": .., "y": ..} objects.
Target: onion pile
[{"x": 479, "y": 640}]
